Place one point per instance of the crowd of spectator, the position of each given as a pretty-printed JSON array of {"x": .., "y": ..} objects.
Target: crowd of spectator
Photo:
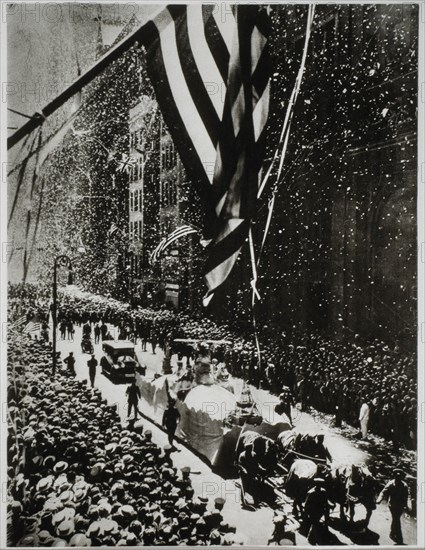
[
  {"x": 332, "y": 376},
  {"x": 77, "y": 477}
]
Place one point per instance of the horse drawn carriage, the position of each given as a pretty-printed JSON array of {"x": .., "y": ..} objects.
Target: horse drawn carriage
[
  {"x": 291, "y": 465},
  {"x": 238, "y": 437}
]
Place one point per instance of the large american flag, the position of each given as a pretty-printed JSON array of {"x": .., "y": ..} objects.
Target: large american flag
[{"x": 210, "y": 69}]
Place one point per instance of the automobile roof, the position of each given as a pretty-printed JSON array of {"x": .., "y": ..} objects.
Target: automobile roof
[{"x": 120, "y": 344}]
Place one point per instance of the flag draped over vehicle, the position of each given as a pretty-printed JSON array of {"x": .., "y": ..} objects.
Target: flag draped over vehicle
[{"x": 210, "y": 68}]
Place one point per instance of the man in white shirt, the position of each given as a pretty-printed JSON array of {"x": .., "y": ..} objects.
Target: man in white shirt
[{"x": 364, "y": 417}]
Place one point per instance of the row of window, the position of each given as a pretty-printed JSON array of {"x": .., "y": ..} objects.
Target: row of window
[
  {"x": 136, "y": 231},
  {"x": 136, "y": 200},
  {"x": 137, "y": 140},
  {"x": 168, "y": 155},
  {"x": 169, "y": 193},
  {"x": 136, "y": 264},
  {"x": 136, "y": 171}
]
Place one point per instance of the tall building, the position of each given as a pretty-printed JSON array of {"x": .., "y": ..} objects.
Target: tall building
[
  {"x": 156, "y": 189},
  {"x": 342, "y": 252},
  {"x": 143, "y": 207}
]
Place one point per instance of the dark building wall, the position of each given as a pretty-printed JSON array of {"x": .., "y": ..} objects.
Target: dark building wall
[{"x": 341, "y": 256}]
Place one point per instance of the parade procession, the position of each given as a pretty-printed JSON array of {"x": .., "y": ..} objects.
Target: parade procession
[{"x": 210, "y": 275}]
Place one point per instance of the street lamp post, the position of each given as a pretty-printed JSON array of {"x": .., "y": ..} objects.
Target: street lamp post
[{"x": 60, "y": 261}]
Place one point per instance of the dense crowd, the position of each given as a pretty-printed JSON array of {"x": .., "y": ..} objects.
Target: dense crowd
[
  {"x": 76, "y": 477},
  {"x": 334, "y": 377}
]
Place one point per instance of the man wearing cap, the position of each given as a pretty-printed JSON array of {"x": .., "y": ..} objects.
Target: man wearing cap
[
  {"x": 396, "y": 493},
  {"x": 70, "y": 363},
  {"x": 92, "y": 364}
]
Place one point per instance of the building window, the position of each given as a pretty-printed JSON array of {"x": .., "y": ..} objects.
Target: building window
[
  {"x": 168, "y": 154},
  {"x": 139, "y": 167}
]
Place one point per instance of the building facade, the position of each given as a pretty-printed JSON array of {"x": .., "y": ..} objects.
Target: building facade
[
  {"x": 342, "y": 255},
  {"x": 156, "y": 208}
]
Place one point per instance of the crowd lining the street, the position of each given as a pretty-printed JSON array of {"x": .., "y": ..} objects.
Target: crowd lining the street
[
  {"x": 76, "y": 477},
  {"x": 331, "y": 376},
  {"x": 72, "y": 467}
]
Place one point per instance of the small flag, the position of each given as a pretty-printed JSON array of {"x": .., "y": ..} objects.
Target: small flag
[
  {"x": 32, "y": 327},
  {"x": 113, "y": 229},
  {"x": 126, "y": 163},
  {"x": 18, "y": 323},
  {"x": 169, "y": 239}
]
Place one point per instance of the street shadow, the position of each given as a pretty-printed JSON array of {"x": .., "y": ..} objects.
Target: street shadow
[
  {"x": 356, "y": 531},
  {"x": 325, "y": 536}
]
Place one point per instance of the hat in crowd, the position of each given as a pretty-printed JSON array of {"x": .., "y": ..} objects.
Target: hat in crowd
[
  {"x": 45, "y": 538},
  {"x": 65, "y": 528},
  {"x": 80, "y": 540},
  {"x": 29, "y": 540},
  {"x": 398, "y": 472},
  {"x": 60, "y": 467}
]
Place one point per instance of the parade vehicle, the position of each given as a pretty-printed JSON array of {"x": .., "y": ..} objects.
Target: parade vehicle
[
  {"x": 87, "y": 344},
  {"x": 225, "y": 427},
  {"x": 119, "y": 362}
]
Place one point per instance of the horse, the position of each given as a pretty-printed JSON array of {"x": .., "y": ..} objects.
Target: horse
[
  {"x": 351, "y": 485},
  {"x": 361, "y": 489},
  {"x": 345, "y": 486},
  {"x": 263, "y": 448},
  {"x": 311, "y": 446},
  {"x": 299, "y": 482}
]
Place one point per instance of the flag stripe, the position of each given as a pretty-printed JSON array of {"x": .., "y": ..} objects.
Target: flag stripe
[
  {"x": 180, "y": 92},
  {"x": 227, "y": 246},
  {"x": 200, "y": 96},
  {"x": 216, "y": 276},
  {"x": 217, "y": 45},
  {"x": 225, "y": 21},
  {"x": 204, "y": 60},
  {"x": 173, "y": 119}
]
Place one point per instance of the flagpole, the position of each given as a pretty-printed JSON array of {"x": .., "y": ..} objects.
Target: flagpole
[{"x": 114, "y": 53}]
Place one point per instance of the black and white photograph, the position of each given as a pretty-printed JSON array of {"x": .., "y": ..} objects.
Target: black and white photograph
[{"x": 212, "y": 274}]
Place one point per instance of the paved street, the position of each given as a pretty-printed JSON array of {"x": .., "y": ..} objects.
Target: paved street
[{"x": 256, "y": 526}]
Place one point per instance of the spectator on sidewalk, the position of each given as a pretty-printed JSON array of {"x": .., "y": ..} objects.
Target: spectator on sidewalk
[
  {"x": 70, "y": 363},
  {"x": 70, "y": 329},
  {"x": 364, "y": 417}
]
